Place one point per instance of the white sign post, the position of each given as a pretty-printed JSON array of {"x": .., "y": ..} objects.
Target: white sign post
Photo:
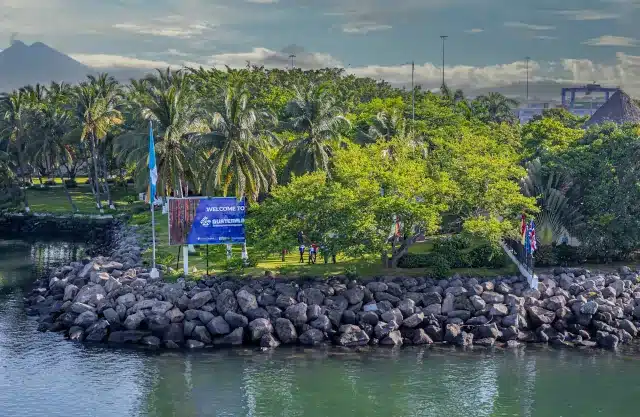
[{"x": 185, "y": 259}]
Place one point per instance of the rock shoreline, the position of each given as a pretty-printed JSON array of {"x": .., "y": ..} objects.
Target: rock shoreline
[{"x": 114, "y": 300}]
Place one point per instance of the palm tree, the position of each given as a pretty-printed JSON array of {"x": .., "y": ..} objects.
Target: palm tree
[
  {"x": 95, "y": 113},
  {"x": 168, "y": 101},
  {"x": 387, "y": 125},
  {"x": 558, "y": 209},
  {"x": 495, "y": 107},
  {"x": 317, "y": 118},
  {"x": 238, "y": 146},
  {"x": 47, "y": 145},
  {"x": 14, "y": 109}
]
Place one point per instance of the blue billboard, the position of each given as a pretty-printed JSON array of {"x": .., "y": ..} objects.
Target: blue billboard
[{"x": 206, "y": 221}]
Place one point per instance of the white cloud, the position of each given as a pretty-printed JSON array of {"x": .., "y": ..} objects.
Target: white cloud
[
  {"x": 116, "y": 61},
  {"x": 186, "y": 32},
  {"x": 474, "y": 30},
  {"x": 588, "y": 14},
  {"x": 528, "y": 26},
  {"x": 263, "y": 1},
  {"x": 609, "y": 40},
  {"x": 362, "y": 28},
  {"x": 545, "y": 37}
]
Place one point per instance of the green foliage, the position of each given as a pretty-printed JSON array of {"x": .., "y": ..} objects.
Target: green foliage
[{"x": 351, "y": 272}]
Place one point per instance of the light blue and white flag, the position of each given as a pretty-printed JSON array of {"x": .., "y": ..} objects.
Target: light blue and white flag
[{"x": 153, "y": 171}]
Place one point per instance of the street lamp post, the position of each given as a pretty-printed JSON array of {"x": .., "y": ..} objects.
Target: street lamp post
[
  {"x": 527, "y": 64},
  {"x": 292, "y": 57},
  {"x": 443, "y": 37},
  {"x": 413, "y": 99}
]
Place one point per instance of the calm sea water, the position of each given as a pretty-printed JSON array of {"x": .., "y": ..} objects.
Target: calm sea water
[{"x": 41, "y": 374}]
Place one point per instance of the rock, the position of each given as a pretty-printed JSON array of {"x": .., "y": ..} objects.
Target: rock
[
  {"x": 297, "y": 314},
  {"x": 201, "y": 334},
  {"x": 434, "y": 332},
  {"x": 269, "y": 342},
  {"x": 540, "y": 316},
  {"x": 218, "y": 326},
  {"x": 174, "y": 333},
  {"x": 459, "y": 314},
  {"x": 138, "y": 283},
  {"x": 172, "y": 292},
  {"x": 629, "y": 327},
  {"x": 133, "y": 321},
  {"x": 90, "y": 294},
  {"x": 127, "y": 336},
  {"x": 235, "y": 320},
  {"x": 322, "y": 323},
  {"x": 246, "y": 301},
  {"x": 313, "y": 312},
  {"x": 97, "y": 332},
  {"x": 431, "y": 298},
  {"x": 80, "y": 308},
  {"x": 369, "y": 317},
  {"x": 284, "y": 301},
  {"x": 375, "y": 286},
  {"x": 235, "y": 338},
  {"x": 150, "y": 341},
  {"x": 414, "y": 320},
  {"x": 451, "y": 333},
  {"x": 311, "y": 296},
  {"x": 407, "y": 307},
  {"x": 392, "y": 339},
  {"x": 354, "y": 295},
  {"x": 589, "y": 308},
  {"x": 435, "y": 309},
  {"x": 70, "y": 292},
  {"x": 503, "y": 288},
  {"x": 286, "y": 331},
  {"x": 348, "y": 317},
  {"x": 175, "y": 315},
  {"x": 447, "y": 304},
  {"x": 312, "y": 337},
  {"x": 127, "y": 300},
  {"x": 112, "y": 284},
  {"x": 260, "y": 327},
  {"x": 352, "y": 336},
  {"x": 420, "y": 337},
  {"x": 607, "y": 340},
  {"x": 487, "y": 331},
  {"x": 492, "y": 297},
  {"x": 463, "y": 339},
  {"x": 200, "y": 299},
  {"x": 86, "y": 319},
  {"x": 194, "y": 344},
  {"x": 112, "y": 316},
  {"x": 488, "y": 342},
  {"x": 477, "y": 302},
  {"x": 498, "y": 310},
  {"x": 76, "y": 334},
  {"x": 226, "y": 301}
]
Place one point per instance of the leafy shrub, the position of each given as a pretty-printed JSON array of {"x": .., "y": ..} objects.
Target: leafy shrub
[
  {"x": 71, "y": 183},
  {"x": 351, "y": 272},
  {"x": 440, "y": 266},
  {"x": 414, "y": 260},
  {"x": 487, "y": 256},
  {"x": 234, "y": 264},
  {"x": 545, "y": 256}
]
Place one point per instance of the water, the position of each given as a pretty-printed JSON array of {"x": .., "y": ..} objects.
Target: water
[{"x": 41, "y": 374}]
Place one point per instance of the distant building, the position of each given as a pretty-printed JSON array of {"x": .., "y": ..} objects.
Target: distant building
[{"x": 619, "y": 109}]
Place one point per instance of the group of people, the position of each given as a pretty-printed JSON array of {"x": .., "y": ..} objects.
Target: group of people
[{"x": 313, "y": 253}]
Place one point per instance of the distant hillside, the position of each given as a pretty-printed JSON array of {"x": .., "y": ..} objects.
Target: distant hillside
[{"x": 21, "y": 65}]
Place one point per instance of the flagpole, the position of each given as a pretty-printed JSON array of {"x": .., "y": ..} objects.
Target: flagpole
[{"x": 154, "y": 271}]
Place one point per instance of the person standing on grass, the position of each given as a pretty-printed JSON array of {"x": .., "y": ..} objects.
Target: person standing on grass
[
  {"x": 315, "y": 252},
  {"x": 301, "y": 253},
  {"x": 311, "y": 251}
]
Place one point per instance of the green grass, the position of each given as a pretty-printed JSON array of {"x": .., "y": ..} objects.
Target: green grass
[
  {"x": 54, "y": 200},
  {"x": 57, "y": 180}
]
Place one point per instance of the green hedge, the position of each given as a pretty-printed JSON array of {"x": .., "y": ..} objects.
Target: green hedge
[{"x": 456, "y": 252}]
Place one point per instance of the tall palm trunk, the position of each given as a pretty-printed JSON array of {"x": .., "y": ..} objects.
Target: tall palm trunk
[
  {"x": 94, "y": 156},
  {"x": 68, "y": 194},
  {"x": 105, "y": 176},
  {"x": 23, "y": 174}
]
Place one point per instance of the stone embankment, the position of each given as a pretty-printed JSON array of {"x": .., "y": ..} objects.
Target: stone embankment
[{"x": 114, "y": 300}]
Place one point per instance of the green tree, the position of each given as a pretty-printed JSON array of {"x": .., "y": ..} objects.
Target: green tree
[
  {"x": 548, "y": 135},
  {"x": 238, "y": 146},
  {"x": 494, "y": 107},
  {"x": 317, "y": 118}
]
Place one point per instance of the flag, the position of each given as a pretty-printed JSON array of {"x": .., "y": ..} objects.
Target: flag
[
  {"x": 527, "y": 241},
  {"x": 523, "y": 229},
  {"x": 532, "y": 237},
  {"x": 153, "y": 171}
]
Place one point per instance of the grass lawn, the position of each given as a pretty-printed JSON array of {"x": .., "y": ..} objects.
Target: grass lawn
[
  {"x": 57, "y": 180},
  {"x": 54, "y": 200}
]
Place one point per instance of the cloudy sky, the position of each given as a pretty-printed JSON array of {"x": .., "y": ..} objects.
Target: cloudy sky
[{"x": 569, "y": 41}]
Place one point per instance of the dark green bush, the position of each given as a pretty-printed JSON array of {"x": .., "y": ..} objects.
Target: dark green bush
[
  {"x": 545, "y": 256},
  {"x": 71, "y": 183},
  {"x": 488, "y": 256},
  {"x": 440, "y": 266}
]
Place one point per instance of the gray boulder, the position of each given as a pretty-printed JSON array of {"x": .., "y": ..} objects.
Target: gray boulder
[
  {"x": 218, "y": 326},
  {"x": 269, "y": 342},
  {"x": 235, "y": 338},
  {"x": 70, "y": 291},
  {"x": 86, "y": 319},
  {"x": 246, "y": 301},
  {"x": 97, "y": 332},
  {"x": 540, "y": 316},
  {"x": 260, "y": 327},
  {"x": 235, "y": 320},
  {"x": 90, "y": 294},
  {"x": 297, "y": 314},
  {"x": 312, "y": 337},
  {"x": 352, "y": 336},
  {"x": 420, "y": 337},
  {"x": 322, "y": 323},
  {"x": 286, "y": 331},
  {"x": 133, "y": 321},
  {"x": 392, "y": 339},
  {"x": 226, "y": 301},
  {"x": 200, "y": 299}
]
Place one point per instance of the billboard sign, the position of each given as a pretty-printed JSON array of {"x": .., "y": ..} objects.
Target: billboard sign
[{"x": 206, "y": 220}]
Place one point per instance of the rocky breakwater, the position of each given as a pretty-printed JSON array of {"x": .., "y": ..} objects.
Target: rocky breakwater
[{"x": 104, "y": 301}]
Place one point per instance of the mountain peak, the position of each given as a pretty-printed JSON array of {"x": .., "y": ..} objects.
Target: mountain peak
[{"x": 16, "y": 43}]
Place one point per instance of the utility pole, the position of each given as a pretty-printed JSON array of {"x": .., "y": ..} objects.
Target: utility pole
[
  {"x": 527, "y": 61},
  {"x": 413, "y": 99},
  {"x": 292, "y": 57},
  {"x": 443, "y": 37}
]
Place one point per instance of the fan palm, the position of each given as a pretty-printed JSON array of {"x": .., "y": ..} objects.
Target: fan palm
[
  {"x": 238, "y": 146},
  {"x": 168, "y": 101},
  {"x": 317, "y": 118},
  {"x": 495, "y": 107},
  {"x": 558, "y": 212}
]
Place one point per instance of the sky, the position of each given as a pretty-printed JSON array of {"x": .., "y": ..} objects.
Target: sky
[{"x": 568, "y": 41}]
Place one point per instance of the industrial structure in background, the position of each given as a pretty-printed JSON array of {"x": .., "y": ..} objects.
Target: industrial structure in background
[{"x": 581, "y": 101}]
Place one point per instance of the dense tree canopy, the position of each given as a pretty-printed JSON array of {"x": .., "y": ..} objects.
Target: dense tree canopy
[{"x": 357, "y": 165}]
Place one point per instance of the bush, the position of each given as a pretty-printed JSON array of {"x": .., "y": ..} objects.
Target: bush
[
  {"x": 545, "y": 256},
  {"x": 351, "y": 272},
  {"x": 488, "y": 256},
  {"x": 440, "y": 266},
  {"x": 71, "y": 183},
  {"x": 414, "y": 260}
]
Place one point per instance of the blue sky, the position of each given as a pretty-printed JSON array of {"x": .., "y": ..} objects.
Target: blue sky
[{"x": 568, "y": 41}]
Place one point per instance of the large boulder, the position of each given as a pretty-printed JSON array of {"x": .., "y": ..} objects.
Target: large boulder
[
  {"x": 97, "y": 332},
  {"x": 133, "y": 321},
  {"x": 86, "y": 319},
  {"x": 246, "y": 301},
  {"x": 540, "y": 316},
  {"x": 297, "y": 314},
  {"x": 322, "y": 323},
  {"x": 235, "y": 338},
  {"x": 90, "y": 294},
  {"x": 351, "y": 336},
  {"x": 235, "y": 320},
  {"x": 218, "y": 326},
  {"x": 258, "y": 328},
  {"x": 312, "y": 337},
  {"x": 286, "y": 331},
  {"x": 200, "y": 299},
  {"x": 226, "y": 301}
]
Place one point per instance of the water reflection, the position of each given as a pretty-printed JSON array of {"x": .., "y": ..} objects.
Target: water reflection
[{"x": 41, "y": 374}]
